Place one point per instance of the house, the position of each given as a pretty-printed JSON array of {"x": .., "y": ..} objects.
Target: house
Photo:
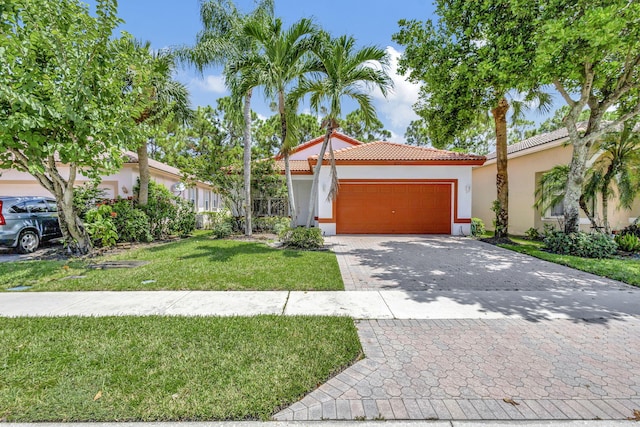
[
  {"x": 528, "y": 160},
  {"x": 121, "y": 183},
  {"x": 385, "y": 188}
]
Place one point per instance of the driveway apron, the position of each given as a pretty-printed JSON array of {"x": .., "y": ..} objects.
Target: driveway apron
[{"x": 583, "y": 366}]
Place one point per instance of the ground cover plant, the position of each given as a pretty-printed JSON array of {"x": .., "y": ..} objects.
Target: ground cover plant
[
  {"x": 624, "y": 269},
  {"x": 197, "y": 263},
  {"x": 166, "y": 368}
]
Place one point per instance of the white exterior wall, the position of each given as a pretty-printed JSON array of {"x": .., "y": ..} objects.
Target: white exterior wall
[{"x": 460, "y": 173}]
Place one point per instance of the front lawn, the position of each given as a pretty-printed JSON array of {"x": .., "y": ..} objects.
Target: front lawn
[
  {"x": 197, "y": 263},
  {"x": 166, "y": 368},
  {"x": 626, "y": 270}
]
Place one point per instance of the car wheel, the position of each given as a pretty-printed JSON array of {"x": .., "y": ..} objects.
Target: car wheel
[{"x": 28, "y": 242}]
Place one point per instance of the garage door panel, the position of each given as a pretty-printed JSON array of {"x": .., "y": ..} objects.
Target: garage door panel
[{"x": 394, "y": 208}]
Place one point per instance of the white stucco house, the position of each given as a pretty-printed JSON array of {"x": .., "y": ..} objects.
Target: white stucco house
[
  {"x": 385, "y": 188},
  {"x": 118, "y": 184}
]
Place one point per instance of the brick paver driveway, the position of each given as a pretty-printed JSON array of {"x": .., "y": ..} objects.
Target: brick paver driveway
[{"x": 585, "y": 366}]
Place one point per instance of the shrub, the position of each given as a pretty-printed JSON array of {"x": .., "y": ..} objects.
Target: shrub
[
  {"x": 628, "y": 242},
  {"x": 477, "y": 227},
  {"x": 533, "y": 234},
  {"x": 270, "y": 224},
  {"x": 632, "y": 229},
  {"x": 86, "y": 197},
  {"x": 580, "y": 244},
  {"x": 302, "y": 238},
  {"x": 184, "y": 222},
  {"x": 132, "y": 223},
  {"x": 99, "y": 224}
]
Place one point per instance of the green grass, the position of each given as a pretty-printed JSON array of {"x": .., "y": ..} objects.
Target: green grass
[
  {"x": 623, "y": 269},
  {"x": 197, "y": 263},
  {"x": 166, "y": 368}
]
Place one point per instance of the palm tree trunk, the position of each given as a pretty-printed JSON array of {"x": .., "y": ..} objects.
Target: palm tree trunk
[
  {"x": 143, "y": 168},
  {"x": 502, "y": 180},
  {"x": 292, "y": 202},
  {"x": 313, "y": 197},
  {"x": 247, "y": 163},
  {"x": 285, "y": 151}
]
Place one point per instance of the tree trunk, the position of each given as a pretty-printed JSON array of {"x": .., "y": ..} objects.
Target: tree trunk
[
  {"x": 143, "y": 167},
  {"x": 502, "y": 180},
  {"x": 247, "y": 163},
  {"x": 292, "y": 202},
  {"x": 285, "y": 152},
  {"x": 583, "y": 205},
  {"x": 313, "y": 197},
  {"x": 573, "y": 190}
]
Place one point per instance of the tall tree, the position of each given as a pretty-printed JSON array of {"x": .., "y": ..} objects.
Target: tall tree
[
  {"x": 223, "y": 41},
  {"x": 355, "y": 125},
  {"x": 468, "y": 63},
  {"x": 159, "y": 98},
  {"x": 589, "y": 50},
  {"x": 344, "y": 72},
  {"x": 282, "y": 60},
  {"x": 61, "y": 100}
]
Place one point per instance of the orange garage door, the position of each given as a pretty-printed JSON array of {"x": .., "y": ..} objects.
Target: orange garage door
[{"x": 393, "y": 208}]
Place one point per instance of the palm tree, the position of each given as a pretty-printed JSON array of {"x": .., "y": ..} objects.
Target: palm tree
[
  {"x": 224, "y": 42},
  {"x": 342, "y": 71},
  {"x": 284, "y": 57},
  {"x": 616, "y": 169},
  {"x": 158, "y": 98}
]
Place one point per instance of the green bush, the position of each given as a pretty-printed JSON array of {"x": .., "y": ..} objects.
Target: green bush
[
  {"x": 184, "y": 222},
  {"x": 580, "y": 244},
  {"x": 221, "y": 223},
  {"x": 628, "y": 242},
  {"x": 270, "y": 224},
  {"x": 167, "y": 213},
  {"x": 533, "y": 234},
  {"x": 86, "y": 197},
  {"x": 99, "y": 224},
  {"x": 302, "y": 238},
  {"x": 632, "y": 229},
  {"x": 132, "y": 223},
  {"x": 477, "y": 227}
]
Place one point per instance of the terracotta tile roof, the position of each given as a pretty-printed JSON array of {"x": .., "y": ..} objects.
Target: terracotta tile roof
[
  {"x": 319, "y": 139},
  {"x": 390, "y": 151},
  {"x": 297, "y": 166}
]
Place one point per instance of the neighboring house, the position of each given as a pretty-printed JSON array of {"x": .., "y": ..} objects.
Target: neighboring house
[
  {"x": 120, "y": 184},
  {"x": 385, "y": 188},
  {"x": 528, "y": 160}
]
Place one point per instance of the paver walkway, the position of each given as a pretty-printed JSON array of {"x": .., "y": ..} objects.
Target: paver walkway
[{"x": 537, "y": 366}]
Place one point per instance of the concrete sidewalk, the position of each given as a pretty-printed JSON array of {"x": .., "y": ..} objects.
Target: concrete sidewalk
[{"x": 395, "y": 304}]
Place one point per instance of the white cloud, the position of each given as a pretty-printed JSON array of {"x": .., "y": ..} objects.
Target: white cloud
[
  {"x": 396, "y": 110},
  {"x": 210, "y": 83}
]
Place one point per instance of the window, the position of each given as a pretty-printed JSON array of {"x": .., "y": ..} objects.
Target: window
[
  {"x": 557, "y": 209},
  {"x": 53, "y": 207},
  {"x": 19, "y": 208},
  {"x": 37, "y": 206},
  {"x": 206, "y": 200}
]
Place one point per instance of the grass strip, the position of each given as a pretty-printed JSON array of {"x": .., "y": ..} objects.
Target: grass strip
[
  {"x": 623, "y": 269},
  {"x": 166, "y": 368},
  {"x": 197, "y": 263}
]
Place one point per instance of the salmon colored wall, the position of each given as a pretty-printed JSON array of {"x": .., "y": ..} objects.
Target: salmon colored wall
[{"x": 522, "y": 182}]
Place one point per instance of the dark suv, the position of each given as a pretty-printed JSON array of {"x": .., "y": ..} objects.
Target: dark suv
[{"x": 27, "y": 221}]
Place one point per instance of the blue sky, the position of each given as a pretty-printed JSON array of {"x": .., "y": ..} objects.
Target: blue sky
[{"x": 167, "y": 23}]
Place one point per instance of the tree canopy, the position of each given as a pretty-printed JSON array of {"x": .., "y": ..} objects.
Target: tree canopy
[{"x": 62, "y": 76}]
